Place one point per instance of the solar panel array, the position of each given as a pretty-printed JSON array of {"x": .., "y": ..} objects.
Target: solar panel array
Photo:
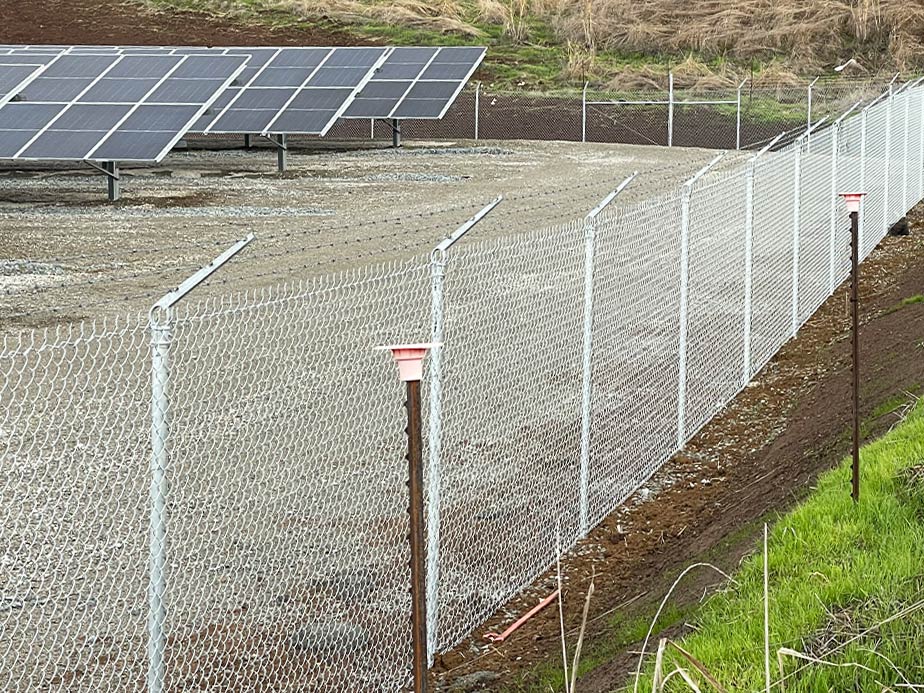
[
  {"x": 133, "y": 103},
  {"x": 416, "y": 83},
  {"x": 106, "y": 107},
  {"x": 296, "y": 91}
]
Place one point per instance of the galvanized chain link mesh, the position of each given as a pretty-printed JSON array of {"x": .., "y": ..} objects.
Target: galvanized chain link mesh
[
  {"x": 280, "y": 528},
  {"x": 703, "y": 116},
  {"x": 74, "y": 444}
]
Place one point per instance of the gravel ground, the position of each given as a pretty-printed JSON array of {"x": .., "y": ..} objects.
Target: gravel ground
[{"x": 337, "y": 207}]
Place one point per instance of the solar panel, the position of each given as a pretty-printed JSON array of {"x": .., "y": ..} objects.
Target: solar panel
[
  {"x": 416, "y": 83},
  {"x": 13, "y": 76},
  {"x": 296, "y": 91},
  {"x": 112, "y": 106}
]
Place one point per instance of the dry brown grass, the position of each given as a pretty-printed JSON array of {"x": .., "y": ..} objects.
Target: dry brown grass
[
  {"x": 443, "y": 16},
  {"x": 802, "y": 36},
  {"x": 811, "y": 34}
]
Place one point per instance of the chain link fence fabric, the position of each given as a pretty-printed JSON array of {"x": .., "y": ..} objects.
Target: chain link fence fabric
[{"x": 216, "y": 498}]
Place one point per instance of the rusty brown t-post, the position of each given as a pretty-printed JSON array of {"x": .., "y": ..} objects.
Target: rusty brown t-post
[
  {"x": 418, "y": 549},
  {"x": 855, "y": 345},
  {"x": 853, "y": 201},
  {"x": 409, "y": 358}
]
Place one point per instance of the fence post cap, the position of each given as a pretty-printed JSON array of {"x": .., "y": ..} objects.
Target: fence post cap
[
  {"x": 409, "y": 358},
  {"x": 853, "y": 200}
]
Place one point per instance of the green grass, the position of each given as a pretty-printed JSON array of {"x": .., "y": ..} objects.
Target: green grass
[
  {"x": 835, "y": 569},
  {"x": 909, "y": 301}
]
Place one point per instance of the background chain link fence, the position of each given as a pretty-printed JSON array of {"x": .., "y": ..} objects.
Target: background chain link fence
[
  {"x": 280, "y": 524},
  {"x": 709, "y": 117}
]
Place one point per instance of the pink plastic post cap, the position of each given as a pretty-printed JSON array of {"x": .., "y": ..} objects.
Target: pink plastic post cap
[
  {"x": 853, "y": 200},
  {"x": 409, "y": 358}
]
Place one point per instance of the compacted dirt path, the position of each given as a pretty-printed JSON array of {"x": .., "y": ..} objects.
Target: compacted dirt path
[{"x": 757, "y": 458}]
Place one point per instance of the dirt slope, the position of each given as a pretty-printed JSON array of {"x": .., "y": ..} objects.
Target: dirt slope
[{"x": 124, "y": 23}]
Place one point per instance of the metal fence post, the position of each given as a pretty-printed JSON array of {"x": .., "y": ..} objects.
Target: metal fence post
[
  {"x": 920, "y": 112},
  {"x": 686, "y": 194},
  {"x": 160, "y": 324},
  {"x": 748, "y": 262},
  {"x": 863, "y": 123},
  {"x": 477, "y": 107},
  {"x": 907, "y": 156},
  {"x": 797, "y": 199},
  {"x": 738, "y": 117},
  {"x": 584, "y": 113},
  {"x": 438, "y": 260},
  {"x": 157, "y": 539},
  {"x": 749, "y": 174},
  {"x": 832, "y": 230},
  {"x": 670, "y": 109},
  {"x": 590, "y": 235},
  {"x": 435, "y": 442},
  {"x": 887, "y": 163},
  {"x": 808, "y": 122}
]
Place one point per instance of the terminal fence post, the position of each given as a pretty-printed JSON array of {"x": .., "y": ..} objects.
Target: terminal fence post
[
  {"x": 590, "y": 234},
  {"x": 438, "y": 261},
  {"x": 160, "y": 323},
  {"x": 670, "y": 109},
  {"x": 584, "y": 113},
  {"x": 686, "y": 194}
]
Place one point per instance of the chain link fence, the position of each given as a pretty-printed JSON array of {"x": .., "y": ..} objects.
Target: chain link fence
[
  {"x": 745, "y": 117},
  {"x": 214, "y": 497}
]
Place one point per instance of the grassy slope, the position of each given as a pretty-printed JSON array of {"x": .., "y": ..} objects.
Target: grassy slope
[
  {"x": 835, "y": 570},
  {"x": 543, "y": 44}
]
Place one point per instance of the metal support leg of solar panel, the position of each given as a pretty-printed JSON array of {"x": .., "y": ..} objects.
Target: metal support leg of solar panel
[
  {"x": 282, "y": 151},
  {"x": 111, "y": 170}
]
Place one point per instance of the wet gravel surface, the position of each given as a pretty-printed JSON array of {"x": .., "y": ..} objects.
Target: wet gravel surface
[{"x": 338, "y": 207}]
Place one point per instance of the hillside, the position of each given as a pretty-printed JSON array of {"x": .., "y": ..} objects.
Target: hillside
[{"x": 623, "y": 43}]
